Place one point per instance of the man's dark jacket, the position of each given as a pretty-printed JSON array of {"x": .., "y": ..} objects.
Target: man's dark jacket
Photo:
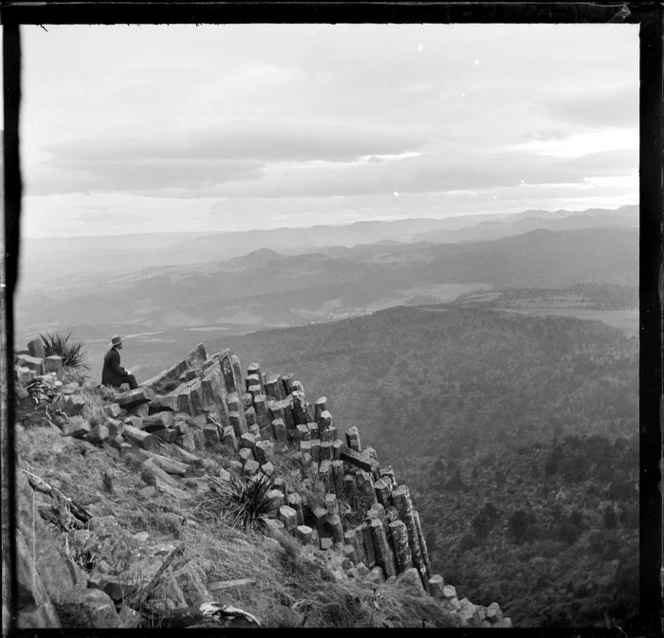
[{"x": 113, "y": 373}]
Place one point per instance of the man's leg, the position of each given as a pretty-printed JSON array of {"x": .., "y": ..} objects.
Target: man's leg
[{"x": 131, "y": 380}]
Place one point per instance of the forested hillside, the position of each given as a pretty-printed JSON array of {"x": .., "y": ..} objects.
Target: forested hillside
[
  {"x": 461, "y": 380},
  {"x": 551, "y": 529},
  {"x": 466, "y": 404}
]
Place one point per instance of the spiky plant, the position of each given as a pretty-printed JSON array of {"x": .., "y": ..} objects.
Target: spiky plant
[
  {"x": 242, "y": 503},
  {"x": 70, "y": 351},
  {"x": 248, "y": 502}
]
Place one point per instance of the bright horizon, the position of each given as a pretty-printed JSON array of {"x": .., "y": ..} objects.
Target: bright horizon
[{"x": 241, "y": 127}]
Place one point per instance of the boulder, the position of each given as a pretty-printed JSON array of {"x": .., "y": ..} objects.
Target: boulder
[
  {"x": 467, "y": 612},
  {"x": 229, "y": 439},
  {"x": 134, "y": 421},
  {"x": 274, "y": 528},
  {"x": 141, "y": 410},
  {"x": 410, "y": 579},
  {"x": 71, "y": 405},
  {"x": 503, "y": 623},
  {"x": 304, "y": 533},
  {"x": 43, "y": 570},
  {"x": 136, "y": 397},
  {"x": 325, "y": 543},
  {"x": 267, "y": 469},
  {"x": 158, "y": 421},
  {"x": 169, "y": 465},
  {"x": 376, "y": 575},
  {"x": 264, "y": 451},
  {"x": 288, "y": 516},
  {"x": 113, "y": 411},
  {"x": 436, "y": 584},
  {"x": 191, "y": 579},
  {"x": 493, "y": 612},
  {"x": 168, "y": 435},
  {"x": 36, "y": 348},
  {"x": 76, "y": 426},
  {"x": 277, "y": 497},
  {"x": 138, "y": 437},
  {"x": 53, "y": 364},
  {"x": 357, "y": 459},
  {"x": 99, "y": 433},
  {"x": 100, "y": 608},
  {"x": 184, "y": 456},
  {"x": 24, "y": 375},
  {"x": 36, "y": 364},
  {"x": 168, "y": 402},
  {"x": 250, "y": 467},
  {"x": 160, "y": 474},
  {"x": 296, "y": 502},
  {"x": 449, "y": 592}
]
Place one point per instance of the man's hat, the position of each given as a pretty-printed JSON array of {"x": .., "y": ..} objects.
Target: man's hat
[{"x": 116, "y": 341}]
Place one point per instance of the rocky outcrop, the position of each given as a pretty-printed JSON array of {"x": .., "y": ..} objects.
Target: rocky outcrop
[{"x": 368, "y": 523}]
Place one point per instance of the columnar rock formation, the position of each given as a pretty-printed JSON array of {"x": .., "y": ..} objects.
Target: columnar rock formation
[
  {"x": 207, "y": 400},
  {"x": 250, "y": 413}
]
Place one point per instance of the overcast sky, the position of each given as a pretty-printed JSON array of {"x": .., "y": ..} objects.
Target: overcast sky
[{"x": 129, "y": 129}]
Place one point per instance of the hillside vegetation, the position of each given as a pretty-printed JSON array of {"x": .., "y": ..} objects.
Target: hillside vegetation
[
  {"x": 552, "y": 528},
  {"x": 465, "y": 403}
]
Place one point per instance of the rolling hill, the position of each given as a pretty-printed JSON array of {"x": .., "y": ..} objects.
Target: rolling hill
[{"x": 267, "y": 289}]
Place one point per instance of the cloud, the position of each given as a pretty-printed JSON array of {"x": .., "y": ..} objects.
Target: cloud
[
  {"x": 205, "y": 158},
  {"x": 141, "y": 175},
  {"x": 611, "y": 107},
  {"x": 430, "y": 173},
  {"x": 263, "y": 117},
  {"x": 258, "y": 139}
]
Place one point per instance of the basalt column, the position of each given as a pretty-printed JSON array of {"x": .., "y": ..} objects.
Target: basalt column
[
  {"x": 404, "y": 506},
  {"x": 401, "y": 548},
  {"x": 382, "y": 549}
]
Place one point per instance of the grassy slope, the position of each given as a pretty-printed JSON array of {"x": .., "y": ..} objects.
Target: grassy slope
[{"x": 294, "y": 585}]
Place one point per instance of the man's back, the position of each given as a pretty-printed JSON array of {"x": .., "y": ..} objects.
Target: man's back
[{"x": 112, "y": 371}]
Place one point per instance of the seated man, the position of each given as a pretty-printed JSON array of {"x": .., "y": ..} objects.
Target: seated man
[{"x": 113, "y": 373}]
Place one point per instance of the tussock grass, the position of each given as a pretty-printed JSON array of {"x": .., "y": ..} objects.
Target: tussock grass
[
  {"x": 71, "y": 351},
  {"x": 242, "y": 503},
  {"x": 93, "y": 411}
]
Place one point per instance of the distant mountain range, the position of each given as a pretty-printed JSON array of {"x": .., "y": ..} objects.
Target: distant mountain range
[
  {"x": 266, "y": 289},
  {"x": 171, "y": 298},
  {"x": 45, "y": 261}
]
